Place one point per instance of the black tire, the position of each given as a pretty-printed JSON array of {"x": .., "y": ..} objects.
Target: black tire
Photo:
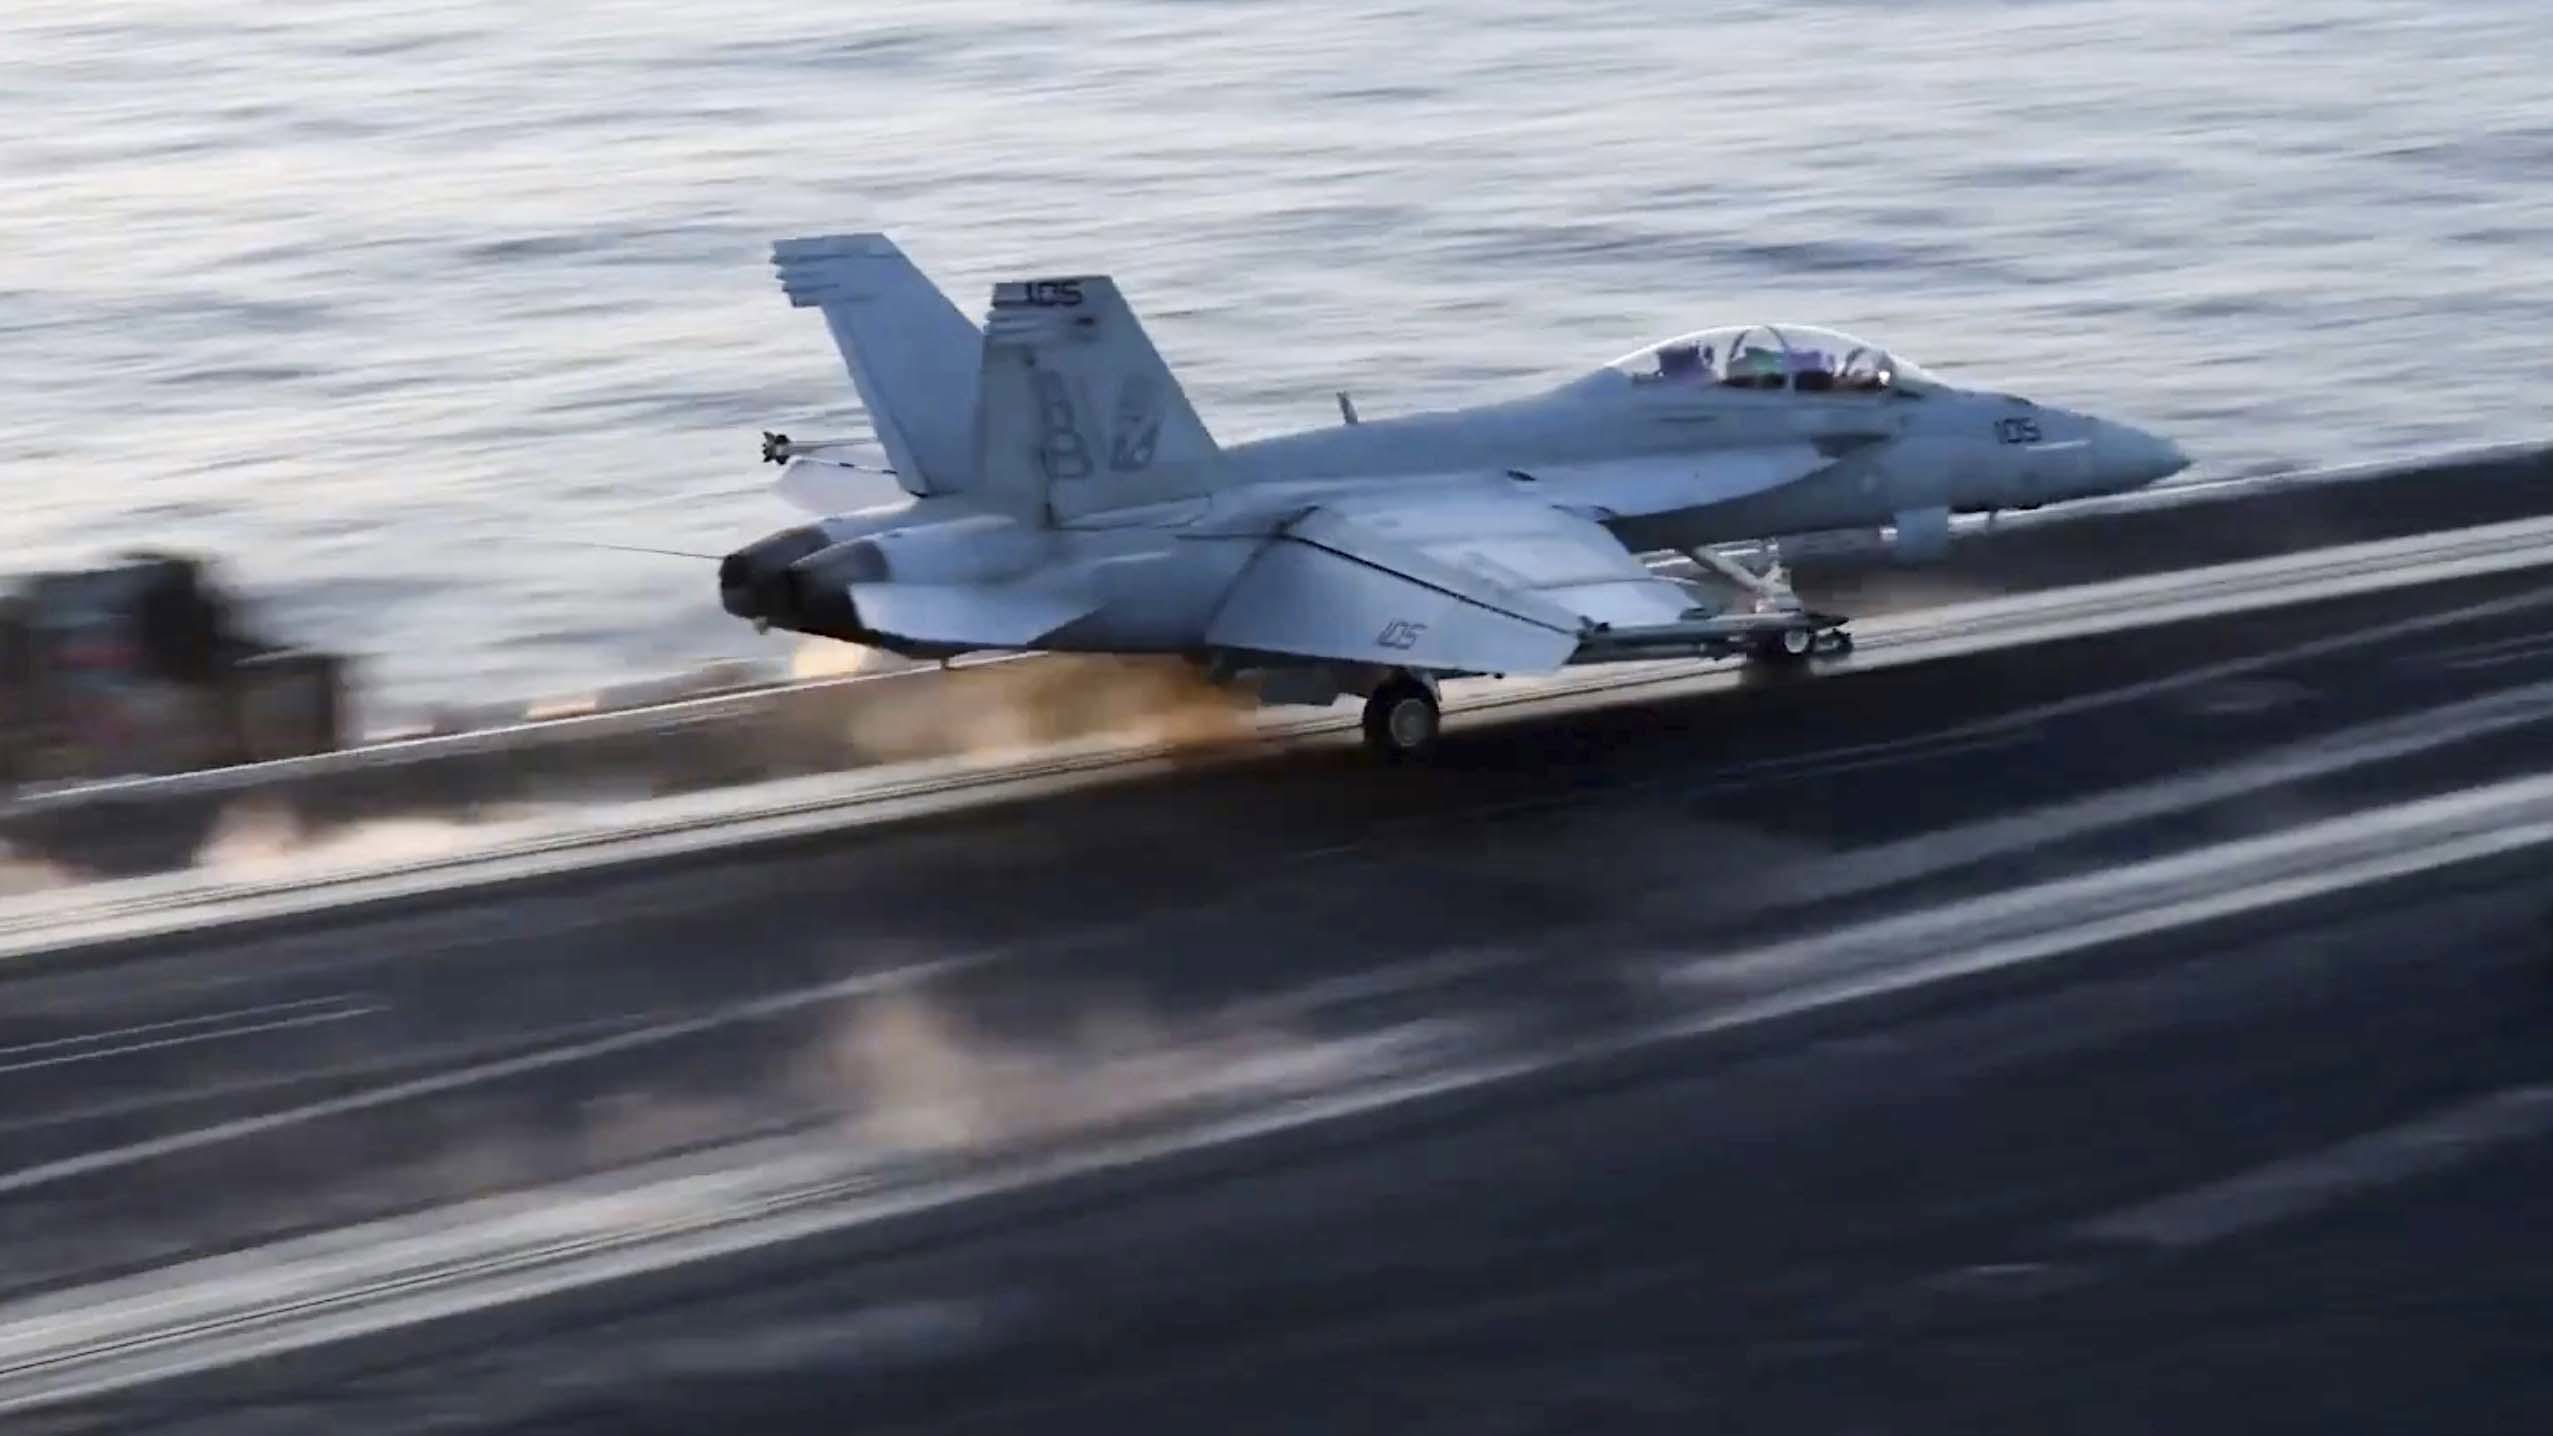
[
  {"x": 1402, "y": 720},
  {"x": 1790, "y": 646}
]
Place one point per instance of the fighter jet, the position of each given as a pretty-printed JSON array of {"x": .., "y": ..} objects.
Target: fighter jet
[{"x": 1063, "y": 496}]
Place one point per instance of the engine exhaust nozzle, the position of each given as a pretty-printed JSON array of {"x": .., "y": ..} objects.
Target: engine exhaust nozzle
[{"x": 753, "y": 581}]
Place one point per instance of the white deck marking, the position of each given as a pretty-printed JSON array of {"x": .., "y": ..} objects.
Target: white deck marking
[
  {"x": 2319, "y": 756},
  {"x": 222, "y": 1034},
  {"x": 82, "y": 1341},
  {"x": 2298, "y": 1185},
  {"x": 2016, "y": 925},
  {"x": 174, "y": 1024},
  {"x": 2503, "y": 655},
  {"x": 388, "y": 1060},
  {"x": 758, "y": 1009}
]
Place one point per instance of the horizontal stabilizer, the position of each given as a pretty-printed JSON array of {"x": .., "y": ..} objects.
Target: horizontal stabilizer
[
  {"x": 913, "y": 357},
  {"x": 819, "y": 487}
]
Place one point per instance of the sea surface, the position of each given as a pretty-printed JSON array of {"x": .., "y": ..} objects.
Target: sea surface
[{"x": 391, "y": 307}]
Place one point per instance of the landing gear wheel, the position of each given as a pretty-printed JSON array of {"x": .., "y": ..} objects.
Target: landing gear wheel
[
  {"x": 1843, "y": 642},
  {"x": 1401, "y": 720},
  {"x": 1789, "y": 647}
]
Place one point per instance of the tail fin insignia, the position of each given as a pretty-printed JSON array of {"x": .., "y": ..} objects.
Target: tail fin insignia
[{"x": 1079, "y": 413}]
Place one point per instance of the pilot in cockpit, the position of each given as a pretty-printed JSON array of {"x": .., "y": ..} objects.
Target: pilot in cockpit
[
  {"x": 1681, "y": 361},
  {"x": 1755, "y": 367}
]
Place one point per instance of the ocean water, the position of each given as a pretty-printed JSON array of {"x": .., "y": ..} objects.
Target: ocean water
[{"x": 390, "y": 306}]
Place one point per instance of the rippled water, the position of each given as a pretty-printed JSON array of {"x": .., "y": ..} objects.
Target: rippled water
[{"x": 379, "y": 302}]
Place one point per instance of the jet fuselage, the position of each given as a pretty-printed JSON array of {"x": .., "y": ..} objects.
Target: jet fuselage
[{"x": 1097, "y": 514}]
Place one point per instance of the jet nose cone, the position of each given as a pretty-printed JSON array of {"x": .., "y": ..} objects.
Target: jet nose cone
[{"x": 2126, "y": 457}]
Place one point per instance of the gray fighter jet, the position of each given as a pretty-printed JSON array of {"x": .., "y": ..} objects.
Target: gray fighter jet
[{"x": 1065, "y": 497}]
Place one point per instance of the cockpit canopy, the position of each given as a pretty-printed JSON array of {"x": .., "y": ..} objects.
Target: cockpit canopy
[{"x": 1775, "y": 356}]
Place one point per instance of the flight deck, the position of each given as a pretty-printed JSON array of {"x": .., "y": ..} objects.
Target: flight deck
[{"x": 1938, "y": 1030}]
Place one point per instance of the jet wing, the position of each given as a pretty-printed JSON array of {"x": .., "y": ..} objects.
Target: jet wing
[{"x": 1466, "y": 580}]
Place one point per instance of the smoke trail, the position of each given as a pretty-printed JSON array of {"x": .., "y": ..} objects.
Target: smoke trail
[
  {"x": 1007, "y": 708},
  {"x": 912, "y": 1076},
  {"x": 828, "y": 658},
  {"x": 22, "y": 874},
  {"x": 263, "y": 839}
]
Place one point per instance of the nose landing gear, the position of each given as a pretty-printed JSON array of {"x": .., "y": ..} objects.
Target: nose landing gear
[
  {"x": 1813, "y": 636},
  {"x": 1790, "y": 633}
]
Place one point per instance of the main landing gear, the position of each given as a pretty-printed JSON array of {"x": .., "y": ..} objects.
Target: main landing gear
[{"x": 1402, "y": 719}]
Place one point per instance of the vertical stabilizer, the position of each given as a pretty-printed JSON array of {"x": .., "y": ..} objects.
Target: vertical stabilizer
[
  {"x": 912, "y": 355},
  {"x": 1078, "y": 412}
]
